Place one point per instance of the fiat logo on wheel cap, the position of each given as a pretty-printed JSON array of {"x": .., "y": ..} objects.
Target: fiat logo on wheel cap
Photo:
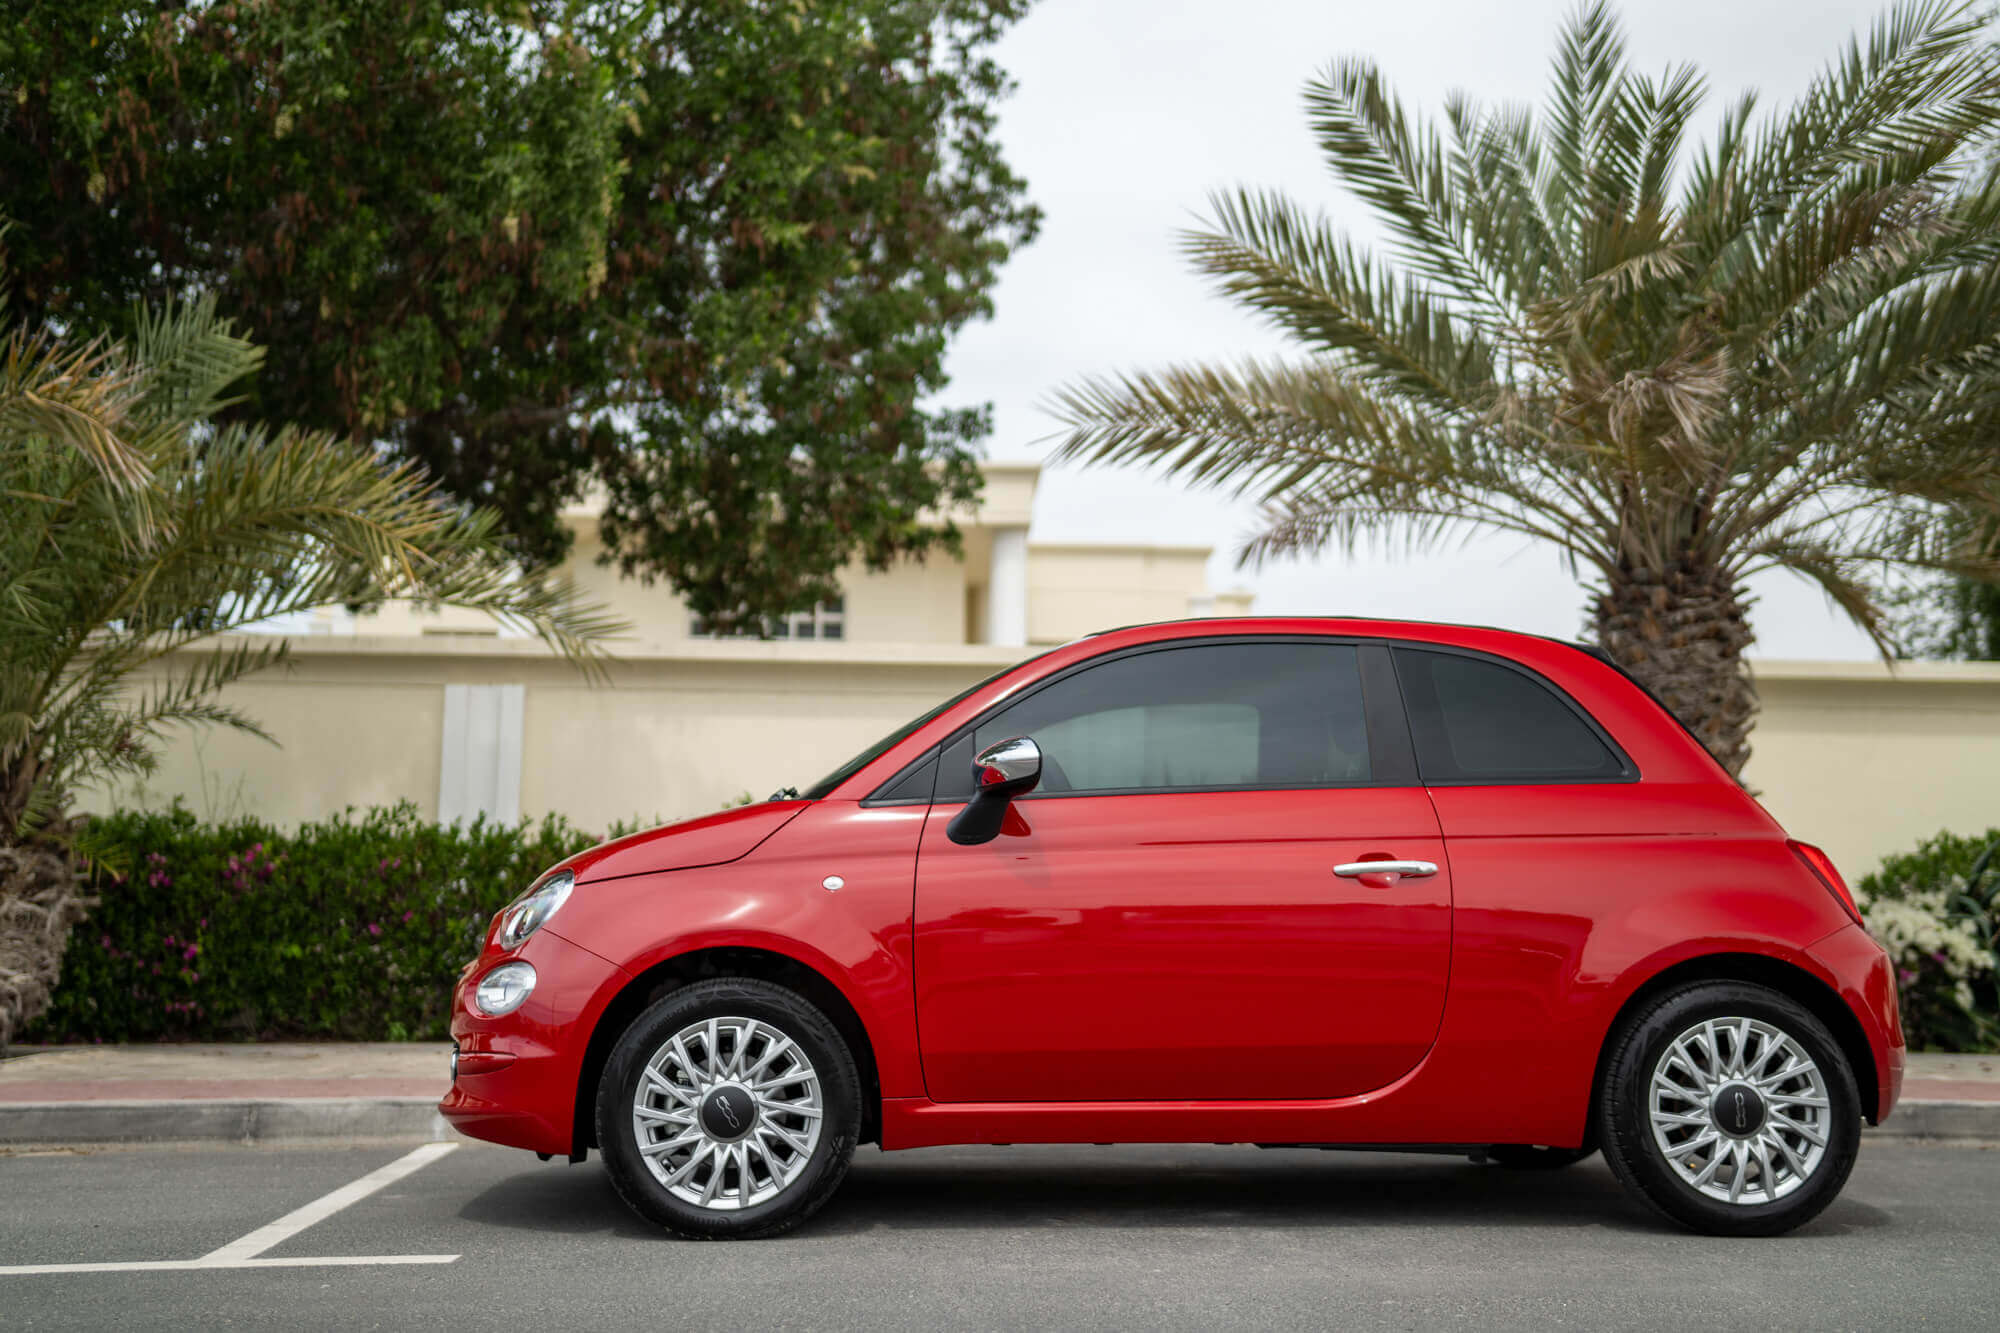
[
  {"x": 1738, "y": 1111},
  {"x": 727, "y": 1113}
]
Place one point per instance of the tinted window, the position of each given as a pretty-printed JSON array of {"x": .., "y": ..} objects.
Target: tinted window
[
  {"x": 1199, "y": 718},
  {"x": 1475, "y": 720},
  {"x": 914, "y": 784}
]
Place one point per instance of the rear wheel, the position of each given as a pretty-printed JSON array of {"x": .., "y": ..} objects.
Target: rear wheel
[
  {"x": 728, "y": 1109},
  {"x": 1731, "y": 1109}
]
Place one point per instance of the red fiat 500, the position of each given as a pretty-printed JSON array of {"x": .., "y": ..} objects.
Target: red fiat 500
[{"x": 1286, "y": 882}]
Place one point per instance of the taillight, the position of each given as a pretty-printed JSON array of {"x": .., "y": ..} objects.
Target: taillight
[{"x": 1821, "y": 865}]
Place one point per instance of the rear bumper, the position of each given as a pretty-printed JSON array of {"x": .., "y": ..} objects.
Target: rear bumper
[
  {"x": 1867, "y": 982},
  {"x": 515, "y": 1080}
]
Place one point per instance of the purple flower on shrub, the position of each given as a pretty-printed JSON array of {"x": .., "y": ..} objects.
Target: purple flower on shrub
[
  {"x": 187, "y": 954},
  {"x": 374, "y": 928}
]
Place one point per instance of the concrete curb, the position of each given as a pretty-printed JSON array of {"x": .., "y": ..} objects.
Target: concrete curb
[
  {"x": 342, "y": 1119},
  {"x": 270, "y": 1120},
  {"x": 1941, "y": 1120}
]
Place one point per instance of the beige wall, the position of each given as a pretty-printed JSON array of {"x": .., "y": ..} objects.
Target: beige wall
[
  {"x": 1849, "y": 756},
  {"x": 1078, "y": 590},
  {"x": 1864, "y": 761},
  {"x": 912, "y": 603},
  {"x": 676, "y": 733}
]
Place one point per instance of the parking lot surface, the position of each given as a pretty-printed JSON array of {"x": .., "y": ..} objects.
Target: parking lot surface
[{"x": 1124, "y": 1237}]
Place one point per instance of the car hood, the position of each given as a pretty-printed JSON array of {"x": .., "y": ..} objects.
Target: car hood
[{"x": 712, "y": 840}]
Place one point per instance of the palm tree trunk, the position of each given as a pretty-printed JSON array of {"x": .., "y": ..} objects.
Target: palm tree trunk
[
  {"x": 39, "y": 903},
  {"x": 1682, "y": 633}
]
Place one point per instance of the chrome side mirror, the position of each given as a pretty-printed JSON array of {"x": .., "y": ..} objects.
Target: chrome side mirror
[{"x": 1000, "y": 773}]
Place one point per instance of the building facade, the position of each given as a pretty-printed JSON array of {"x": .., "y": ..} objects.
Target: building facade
[{"x": 1001, "y": 589}]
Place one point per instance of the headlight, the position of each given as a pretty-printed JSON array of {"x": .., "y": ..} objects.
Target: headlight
[
  {"x": 504, "y": 989},
  {"x": 530, "y": 914}
]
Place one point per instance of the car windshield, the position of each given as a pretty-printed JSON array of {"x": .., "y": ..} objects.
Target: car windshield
[{"x": 868, "y": 756}]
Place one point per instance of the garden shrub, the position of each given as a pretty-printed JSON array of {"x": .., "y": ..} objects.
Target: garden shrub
[
  {"x": 1934, "y": 910},
  {"x": 352, "y": 928}
]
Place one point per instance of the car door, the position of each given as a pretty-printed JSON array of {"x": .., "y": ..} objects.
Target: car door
[{"x": 1178, "y": 911}]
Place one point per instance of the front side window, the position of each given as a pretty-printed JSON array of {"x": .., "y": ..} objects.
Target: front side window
[
  {"x": 1209, "y": 717},
  {"x": 1479, "y": 721}
]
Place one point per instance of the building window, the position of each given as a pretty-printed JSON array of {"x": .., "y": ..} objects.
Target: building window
[{"x": 828, "y": 620}]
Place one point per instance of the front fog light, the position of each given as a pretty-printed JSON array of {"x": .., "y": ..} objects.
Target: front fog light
[{"x": 504, "y": 989}]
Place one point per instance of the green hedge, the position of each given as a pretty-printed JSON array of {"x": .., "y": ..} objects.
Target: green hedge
[
  {"x": 1937, "y": 911},
  {"x": 354, "y": 928}
]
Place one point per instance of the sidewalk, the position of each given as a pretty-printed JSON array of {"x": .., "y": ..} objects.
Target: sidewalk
[
  {"x": 364, "y": 1090},
  {"x": 270, "y": 1093}
]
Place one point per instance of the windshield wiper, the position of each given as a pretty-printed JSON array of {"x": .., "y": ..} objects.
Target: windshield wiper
[{"x": 784, "y": 794}]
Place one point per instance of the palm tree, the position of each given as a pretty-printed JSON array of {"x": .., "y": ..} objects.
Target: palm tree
[
  {"x": 131, "y": 528},
  {"x": 1776, "y": 352}
]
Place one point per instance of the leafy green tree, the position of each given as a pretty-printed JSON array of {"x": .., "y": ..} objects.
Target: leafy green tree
[
  {"x": 1950, "y": 618},
  {"x": 708, "y": 255},
  {"x": 1776, "y": 352},
  {"x": 1978, "y": 620},
  {"x": 135, "y": 527}
]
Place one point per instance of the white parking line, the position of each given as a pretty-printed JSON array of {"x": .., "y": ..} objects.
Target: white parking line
[
  {"x": 266, "y": 1237},
  {"x": 243, "y": 1253}
]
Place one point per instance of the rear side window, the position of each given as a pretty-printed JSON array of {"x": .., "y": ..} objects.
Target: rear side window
[
  {"x": 1202, "y": 718},
  {"x": 1479, "y": 721}
]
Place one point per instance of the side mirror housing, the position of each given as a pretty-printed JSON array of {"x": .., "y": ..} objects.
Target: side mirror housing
[{"x": 1000, "y": 773}]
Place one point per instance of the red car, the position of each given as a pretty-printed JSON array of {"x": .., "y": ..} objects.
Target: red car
[{"x": 1291, "y": 882}]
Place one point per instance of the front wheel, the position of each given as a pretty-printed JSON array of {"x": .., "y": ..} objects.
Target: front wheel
[
  {"x": 728, "y": 1110},
  {"x": 1731, "y": 1109}
]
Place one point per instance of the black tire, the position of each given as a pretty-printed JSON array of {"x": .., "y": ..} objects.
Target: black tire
[
  {"x": 840, "y": 1095},
  {"x": 1625, "y": 1127},
  {"x": 1530, "y": 1157}
]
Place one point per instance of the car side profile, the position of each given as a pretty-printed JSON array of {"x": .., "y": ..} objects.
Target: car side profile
[{"x": 1290, "y": 882}]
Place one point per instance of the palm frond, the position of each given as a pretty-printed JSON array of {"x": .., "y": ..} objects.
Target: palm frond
[
  {"x": 243, "y": 524},
  {"x": 1672, "y": 361}
]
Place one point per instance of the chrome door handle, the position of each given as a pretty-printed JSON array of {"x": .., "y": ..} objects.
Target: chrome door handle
[{"x": 1407, "y": 869}]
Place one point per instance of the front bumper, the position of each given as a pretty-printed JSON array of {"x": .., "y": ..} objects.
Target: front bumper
[{"x": 514, "y": 1079}]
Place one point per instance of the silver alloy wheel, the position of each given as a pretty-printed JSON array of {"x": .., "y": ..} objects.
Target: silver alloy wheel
[
  {"x": 1739, "y": 1110},
  {"x": 727, "y": 1113}
]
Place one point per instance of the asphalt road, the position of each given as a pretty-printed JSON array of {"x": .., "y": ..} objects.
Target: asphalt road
[{"x": 1128, "y": 1237}]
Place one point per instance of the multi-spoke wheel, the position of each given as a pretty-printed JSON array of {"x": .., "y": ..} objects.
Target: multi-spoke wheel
[
  {"x": 1739, "y": 1110},
  {"x": 1730, "y": 1108},
  {"x": 728, "y": 1109}
]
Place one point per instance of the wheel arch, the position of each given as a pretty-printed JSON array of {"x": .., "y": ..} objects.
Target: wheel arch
[
  {"x": 1788, "y": 979},
  {"x": 671, "y": 974}
]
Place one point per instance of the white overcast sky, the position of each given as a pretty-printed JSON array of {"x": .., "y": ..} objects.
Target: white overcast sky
[{"x": 1129, "y": 111}]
